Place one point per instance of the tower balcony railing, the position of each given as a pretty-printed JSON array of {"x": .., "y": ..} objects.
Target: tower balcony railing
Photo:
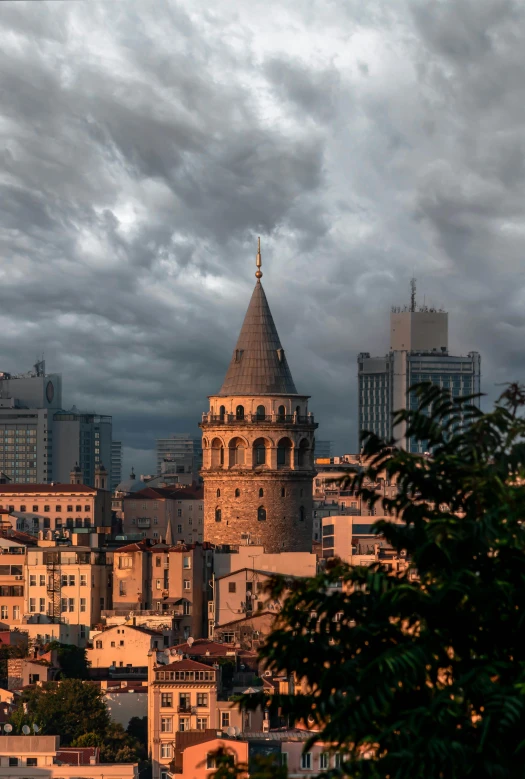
[{"x": 257, "y": 419}]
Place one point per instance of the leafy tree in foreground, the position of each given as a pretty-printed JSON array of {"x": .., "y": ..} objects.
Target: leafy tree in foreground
[
  {"x": 116, "y": 745},
  {"x": 422, "y": 677},
  {"x": 69, "y": 709},
  {"x": 72, "y": 660}
]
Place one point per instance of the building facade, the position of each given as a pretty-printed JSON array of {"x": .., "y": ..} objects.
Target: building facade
[
  {"x": 180, "y": 453},
  {"x": 258, "y": 444},
  {"x": 418, "y": 353},
  {"x": 153, "y": 510},
  {"x": 56, "y": 506},
  {"x": 116, "y": 464}
]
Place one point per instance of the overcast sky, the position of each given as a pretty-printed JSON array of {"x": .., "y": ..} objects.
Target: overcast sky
[{"x": 144, "y": 145}]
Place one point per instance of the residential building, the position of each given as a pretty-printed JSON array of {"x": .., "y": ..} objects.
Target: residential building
[
  {"x": 56, "y": 506},
  {"x": 243, "y": 593},
  {"x": 353, "y": 540},
  {"x": 69, "y": 585},
  {"x": 418, "y": 353},
  {"x": 116, "y": 464},
  {"x": 12, "y": 568},
  {"x": 194, "y": 753},
  {"x": 152, "y": 510},
  {"x": 132, "y": 577},
  {"x": 125, "y": 646},
  {"x": 258, "y": 444},
  {"x": 30, "y": 757}
]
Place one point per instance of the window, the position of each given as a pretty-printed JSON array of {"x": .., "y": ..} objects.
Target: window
[
  {"x": 83, "y": 580},
  {"x": 35, "y": 509},
  {"x": 69, "y": 509},
  {"x": 237, "y": 493},
  {"x": 47, "y": 508},
  {"x": 187, "y": 584},
  {"x": 211, "y": 761},
  {"x": 284, "y": 758},
  {"x": 239, "y": 412},
  {"x": 281, "y": 413},
  {"x": 78, "y": 508},
  {"x": 122, "y": 588},
  {"x": 225, "y": 719},
  {"x": 16, "y": 612},
  {"x": 42, "y": 605},
  {"x": 166, "y": 724},
  {"x": 202, "y": 699},
  {"x": 98, "y": 644},
  {"x": 179, "y": 512},
  {"x": 259, "y": 452},
  {"x": 58, "y": 509},
  {"x": 121, "y": 643},
  {"x": 64, "y": 579},
  {"x": 157, "y": 584},
  {"x": 232, "y": 587},
  {"x": 32, "y": 761},
  {"x": 179, "y": 529},
  {"x": 22, "y": 509},
  {"x": 63, "y": 604},
  {"x": 32, "y": 579},
  {"x": 71, "y": 580},
  {"x": 261, "y": 514},
  {"x": 202, "y": 723},
  {"x": 222, "y": 412},
  {"x": 125, "y": 562},
  {"x": 218, "y": 515},
  {"x": 71, "y": 604},
  {"x": 113, "y": 644},
  {"x": 3, "y": 613},
  {"x": 186, "y": 562},
  {"x": 306, "y": 761},
  {"x": 324, "y": 760},
  {"x": 301, "y": 514},
  {"x": 165, "y": 750},
  {"x": 218, "y": 493},
  {"x": 186, "y": 608},
  {"x": 32, "y": 605},
  {"x": 166, "y": 700},
  {"x": 87, "y": 508},
  {"x": 158, "y": 562},
  {"x": 284, "y": 449},
  {"x": 261, "y": 414},
  {"x": 13, "y": 761},
  {"x": 283, "y": 492},
  {"x": 337, "y": 760},
  {"x": 82, "y": 604},
  {"x": 184, "y": 723}
]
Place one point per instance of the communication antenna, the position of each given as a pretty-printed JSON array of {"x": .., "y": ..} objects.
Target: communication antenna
[
  {"x": 413, "y": 294},
  {"x": 8, "y": 728},
  {"x": 26, "y": 730}
]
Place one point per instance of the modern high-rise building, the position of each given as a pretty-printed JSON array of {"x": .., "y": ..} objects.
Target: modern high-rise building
[
  {"x": 258, "y": 444},
  {"x": 180, "y": 453},
  {"x": 418, "y": 353},
  {"x": 324, "y": 449},
  {"x": 39, "y": 441},
  {"x": 116, "y": 464}
]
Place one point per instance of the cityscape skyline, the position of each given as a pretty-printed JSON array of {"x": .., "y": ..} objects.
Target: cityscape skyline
[{"x": 359, "y": 166}]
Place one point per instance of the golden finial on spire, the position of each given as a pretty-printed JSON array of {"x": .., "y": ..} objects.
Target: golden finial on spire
[{"x": 258, "y": 261}]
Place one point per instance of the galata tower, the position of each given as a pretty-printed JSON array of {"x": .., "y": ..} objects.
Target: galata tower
[{"x": 258, "y": 444}]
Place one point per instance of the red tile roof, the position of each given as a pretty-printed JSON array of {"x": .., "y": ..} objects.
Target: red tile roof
[
  {"x": 24, "y": 489},
  {"x": 166, "y": 493},
  {"x": 138, "y": 546},
  {"x": 202, "y": 646}
]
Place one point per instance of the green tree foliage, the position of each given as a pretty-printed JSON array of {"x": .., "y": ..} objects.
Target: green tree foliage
[
  {"x": 116, "y": 745},
  {"x": 422, "y": 676},
  {"x": 72, "y": 660},
  {"x": 261, "y": 767},
  {"x": 69, "y": 709},
  {"x": 138, "y": 729}
]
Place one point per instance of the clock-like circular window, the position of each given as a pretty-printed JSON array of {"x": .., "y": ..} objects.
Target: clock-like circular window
[{"x": 50, "y": 392}]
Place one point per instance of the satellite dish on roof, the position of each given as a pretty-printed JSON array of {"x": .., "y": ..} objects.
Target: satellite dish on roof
[
  {"x": 237, "y": 730},
  {"x": 35, "y": 728},
  {"x": 230, "y": 731},
  {"x": 26, "y": 730},
  {"x": 190, "y": 641},
  {"x": 8, "y": 728}
]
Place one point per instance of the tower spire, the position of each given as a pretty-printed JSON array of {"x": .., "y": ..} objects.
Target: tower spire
[
  {"x": 258, "y": 261},
  {"x": 413, "y": 294}
]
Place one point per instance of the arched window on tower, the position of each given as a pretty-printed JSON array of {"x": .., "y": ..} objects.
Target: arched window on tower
[
  {"x": 298, "y": 412},
  {"x": 284, "y": 451},
  {"x": 261, "y": 514},
  {"x": 237, "y": 493},
  {"x": 259, "y": 452},
  {"x": 261, "y": 413},
  {"x": 261, "y": 493},
  {"x": 283, "y": 492},
  {"x": 281, "y": 414},
  {"x": 239, "y": 412},
  {"x": 236, "y": 449},
  {"x": 301, "y": 514},
  {"x": 218, "y": 515},
  {"x": 217, "y": 453},
  {"x": 222, "y": 412},
  {"x": 218, "y": 493},
  {"x": 302, "y": 460}
]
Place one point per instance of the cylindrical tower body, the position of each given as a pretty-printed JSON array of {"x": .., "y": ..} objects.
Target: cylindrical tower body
[{"x": 258, "y": 468}]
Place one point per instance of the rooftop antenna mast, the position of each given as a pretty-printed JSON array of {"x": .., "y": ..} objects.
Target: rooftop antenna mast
[{"x": 412, "y": 294}]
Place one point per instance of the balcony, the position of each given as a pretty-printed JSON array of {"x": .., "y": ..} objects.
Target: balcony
[
  {"x": 255, "y": 419},
  {"x": 186, "y": 708},
  {"x": 143, "y": 521}
]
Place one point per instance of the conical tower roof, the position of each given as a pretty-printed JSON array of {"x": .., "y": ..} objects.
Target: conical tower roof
[{"x": 258, "y": 365}]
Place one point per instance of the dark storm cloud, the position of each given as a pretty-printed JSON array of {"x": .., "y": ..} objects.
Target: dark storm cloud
[{"x": 143, "y": 148}]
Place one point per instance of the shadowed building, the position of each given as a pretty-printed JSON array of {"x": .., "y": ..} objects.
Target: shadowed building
[{"x": 258, "y": 444}]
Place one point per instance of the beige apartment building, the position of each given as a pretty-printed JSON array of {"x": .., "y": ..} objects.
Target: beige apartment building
[
  {"x": 70, "y": 585},
  {"x": 152, "y": 510},
  {"x": 12, "y": 568},
  {"x": 124, "y": 646},
  {"x": 242, "y": 594},
  {"x": 184, "y": 696},
  {"x": 56, "y": 506},
  {"x": 34, "y": 757}
]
